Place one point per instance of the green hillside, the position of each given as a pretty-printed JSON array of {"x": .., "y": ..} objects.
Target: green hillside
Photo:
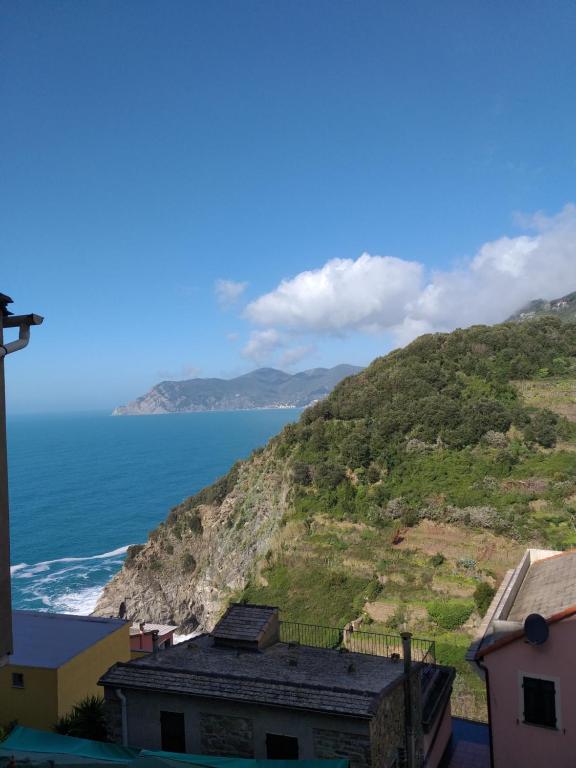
[{"x": 403, "y": 497}]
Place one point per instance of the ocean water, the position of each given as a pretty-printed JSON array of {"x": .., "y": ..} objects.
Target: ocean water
[{"x": 83, "y": 487}]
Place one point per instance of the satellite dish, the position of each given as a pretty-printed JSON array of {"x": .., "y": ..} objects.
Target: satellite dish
[
  {"x": 536, "y": 629},
  {"x": 122, "y": 610}
]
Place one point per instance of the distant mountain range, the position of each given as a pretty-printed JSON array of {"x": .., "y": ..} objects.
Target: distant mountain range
[
  {"x": 263, "y": 388},
  {"x": 564, "y": 308}
]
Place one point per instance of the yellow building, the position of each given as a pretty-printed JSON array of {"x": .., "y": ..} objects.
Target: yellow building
[{"x": 57, "y": 661}]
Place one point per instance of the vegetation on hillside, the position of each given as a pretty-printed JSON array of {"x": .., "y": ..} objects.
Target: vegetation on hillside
[{"x": 418, "y": 482}]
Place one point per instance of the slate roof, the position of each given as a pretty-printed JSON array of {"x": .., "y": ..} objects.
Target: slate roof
[
  {"x": 549, "y": 587},
  {"x": 244, "y": 622},
  {"x": 295, "y": 677},
  {"x": 49, "y": 640}
]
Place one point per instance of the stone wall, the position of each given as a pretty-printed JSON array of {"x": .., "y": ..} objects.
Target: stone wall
[
  {"x": 333, "y": 745},
  {"x": 226, "y": 735},
  {"x": 113, "y": 710},
  {"x": 387, "y": 728}
]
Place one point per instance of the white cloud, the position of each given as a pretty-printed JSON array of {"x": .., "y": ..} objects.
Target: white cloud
[
  {"x": 294, "y": 355},
  {"x": 262, "y": 345},
  {"x": 270, "y": 346},
  {"x": 341, "y": 296},
  {"x": 228, "y": 292},
  {"x": 382, "y": 293}
]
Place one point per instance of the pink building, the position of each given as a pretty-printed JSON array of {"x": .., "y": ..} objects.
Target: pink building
[
  {"x": 145, "y": 638},
  {"x": 525, "y": 652}
]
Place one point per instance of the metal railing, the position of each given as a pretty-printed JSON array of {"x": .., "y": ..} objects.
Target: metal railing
[{"x": 355, "y": 640}]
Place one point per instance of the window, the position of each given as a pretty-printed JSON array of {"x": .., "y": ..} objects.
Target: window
[
  {"x": 17, "y": 680},
  {"x": 172, "y": 732},
  {"x": 539, "y": 702},
  {"x": 281, "y": 747}
]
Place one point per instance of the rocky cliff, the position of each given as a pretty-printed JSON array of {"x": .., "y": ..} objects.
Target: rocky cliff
[{"x": 205, "y": 550}]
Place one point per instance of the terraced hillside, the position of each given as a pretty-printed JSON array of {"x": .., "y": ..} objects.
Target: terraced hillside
[{"x": 397, "y": 502}]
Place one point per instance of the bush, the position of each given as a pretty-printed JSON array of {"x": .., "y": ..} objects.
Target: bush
[
  {"x": 437, "y": 560},
  {"x": 483, "y": 595},
  {"x": 373, "y": 589},
  {"x": 131, "y": 554},
  {"x": 410, "y": 518},
  {"x": 543, "y": 429},
  {"x": 301, "y": 473},
  {"x": 398, "y": 619},
  {"x": 195, "y": 523},
  {"x": 450, "y": 614},
  {"x": 188, "y": 563},
  {"x": 87, "y": 720}
]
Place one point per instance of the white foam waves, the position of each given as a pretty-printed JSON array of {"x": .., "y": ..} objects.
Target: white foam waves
[{"x": 66, "y": 584}]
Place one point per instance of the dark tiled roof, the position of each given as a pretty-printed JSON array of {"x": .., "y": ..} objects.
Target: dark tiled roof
[
  {"x": 296, "y": 677},
  {"x": 244, "y": 622}
]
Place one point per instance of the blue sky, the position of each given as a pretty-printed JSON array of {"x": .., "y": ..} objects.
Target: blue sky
[{"x": 152, "y": 148}]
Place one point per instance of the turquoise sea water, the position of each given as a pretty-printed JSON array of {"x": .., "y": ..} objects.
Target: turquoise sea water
[{"x": 85, "y": 486}]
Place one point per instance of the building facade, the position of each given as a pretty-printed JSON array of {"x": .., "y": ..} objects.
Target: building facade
[
  {"x": 524, "y": 652},
  {"x": 57, "y": 661},
  {"x": 242, "y": 692}
]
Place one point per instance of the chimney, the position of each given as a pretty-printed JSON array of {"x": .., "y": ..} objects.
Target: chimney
[
  {"x": 408, "y": 724},
  {"x": 248, "y": 627}
]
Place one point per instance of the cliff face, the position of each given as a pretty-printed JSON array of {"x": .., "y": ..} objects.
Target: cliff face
[{"x": 204, "y": 552}]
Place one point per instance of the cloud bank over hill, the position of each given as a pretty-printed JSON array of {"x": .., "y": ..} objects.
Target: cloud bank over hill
[{"x": 385, "y": 294}]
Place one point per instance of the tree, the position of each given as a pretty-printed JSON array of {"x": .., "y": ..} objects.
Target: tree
[{"x": 543, "y": 429}]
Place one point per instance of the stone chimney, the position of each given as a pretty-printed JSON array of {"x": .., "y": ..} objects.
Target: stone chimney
[{"x": 246, "y": 626}]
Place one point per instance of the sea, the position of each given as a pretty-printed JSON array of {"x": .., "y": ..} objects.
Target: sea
[{"x": 84, "y": 486}]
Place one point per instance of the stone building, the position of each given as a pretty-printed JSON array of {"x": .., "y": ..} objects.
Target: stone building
[{"x": 241, "y": 691}]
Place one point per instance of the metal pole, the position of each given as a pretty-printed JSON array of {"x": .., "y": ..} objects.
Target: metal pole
[
  {"x": 408, "y": 718},
  {"x": 23, "y": 323},
  {"x": 5, "y": 590}
]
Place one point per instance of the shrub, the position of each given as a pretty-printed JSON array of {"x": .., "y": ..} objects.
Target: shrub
[
  {"x": 188, "y": 563},
  {"x": 450, "y": 614},
  {"x": 495, "y": 439},
  {"x": 87, "y": 720},
  {"x": 131, "y": 554},
  {"x": 301, "y": 473},
  {"x": 398, "y": 619},
  {"x": 437, "y": 560},
  {"x": 410, "y": 518},
  {"x": 154, "y": 563},
  {"x": 543, "y": 429},
  {"x": 195, "y": 523},
  {"x": 373, "y": 589},
  {"x": 483, "y": 595}
]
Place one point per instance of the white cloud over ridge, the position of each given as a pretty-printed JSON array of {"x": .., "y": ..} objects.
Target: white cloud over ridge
[{"x": 378, "y": 294}]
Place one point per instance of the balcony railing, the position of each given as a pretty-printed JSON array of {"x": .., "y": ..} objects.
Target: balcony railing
[{"x": 355, "y": 640}]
